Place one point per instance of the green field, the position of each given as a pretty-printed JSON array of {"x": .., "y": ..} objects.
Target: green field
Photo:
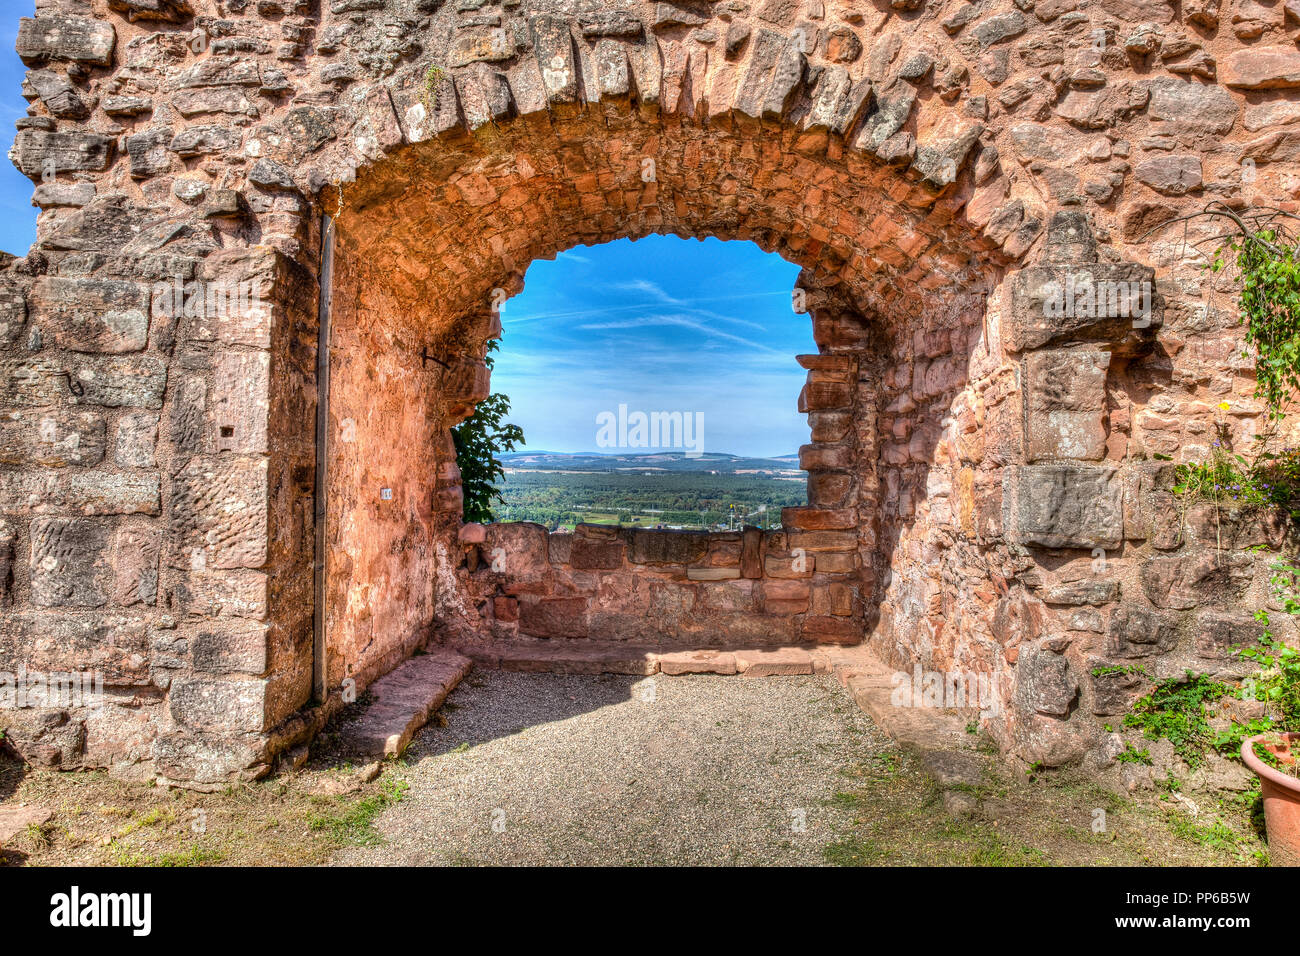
[{"x": 648, "y": 499}]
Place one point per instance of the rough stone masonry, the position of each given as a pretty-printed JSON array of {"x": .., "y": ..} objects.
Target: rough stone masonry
[{"x": 980, "y": 194}]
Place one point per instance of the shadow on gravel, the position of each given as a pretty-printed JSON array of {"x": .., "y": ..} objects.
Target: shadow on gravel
[
  {"x": 12, "y": 771},
  {"x": 546, "y": 699}
]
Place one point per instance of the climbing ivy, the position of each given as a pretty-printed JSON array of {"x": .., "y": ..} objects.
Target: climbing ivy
[
  {"x": 479, "y": 439},
  {"x": 1278, "y": 681},
  {"x": 1266, "y": 262},
  {"x": 1264, "y": 255}
]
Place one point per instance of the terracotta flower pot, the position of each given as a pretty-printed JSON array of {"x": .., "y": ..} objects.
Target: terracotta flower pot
[{"x": 1281, "y": 793}]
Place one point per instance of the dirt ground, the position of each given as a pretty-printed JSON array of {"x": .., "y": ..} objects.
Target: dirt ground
[{"x": 527, "y": 769}]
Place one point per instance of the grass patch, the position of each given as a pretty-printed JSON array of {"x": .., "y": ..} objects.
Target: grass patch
[
  {"x": 297, "y": 819},
  {"x": 890, "y": 814},
  {"x": 852, "y": 853},
  {"x": 996, "y": 853},
  {"x": 191, "y": 856},
  {"x": 354, "y": 824}
]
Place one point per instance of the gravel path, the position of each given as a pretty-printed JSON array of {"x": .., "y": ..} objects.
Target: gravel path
[{"x": 552, "y": 769}]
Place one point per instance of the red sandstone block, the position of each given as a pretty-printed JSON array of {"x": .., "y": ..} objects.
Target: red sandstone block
[
  {"x": 829, "y": 425},
  {"x": 785, "y": 566},
  {"x": 588, "y": 554},
  {"x": 580, "y": 657},
  {"x": 751, "y": 553},
  {"x": 697, "y": 662},
  {"x": 834, "y": 598},
  {"x": 519, "y": 551},
  {"x": 448, "y": 500},
  {"x": 785, "y": 596},
  {"x": 819, "y": 519},
  {"x": 790, "y": 608},
  {"x": 554, "y": 617},
  {"x": 825, "y": 377},
  {"x": 723, "y": 554},
  {"x": 781, "y": 661},
  {"x": 832, "y": 630},
  {"x": 835, "y": 562},
  {"x": 824, "y": 362},
  {"x": 712, "y": 574},
  {"x": 826, "y": 457},
  {"x": 824, "y": 540},
  {"x": 829, "y": 489},
  {"x": 472, "y": 533},
  {"x": 820, "y": 395},
  {"x": 505, "y": 609},
  {"x": 468, "y": 382},
  {"x": 596, "y": 531},
  {"x": 559, "y": 545},
  {"x": 831, "y": 333},
  {"x": 404, "y": 699},
  {"x": 785, "y": 590}
]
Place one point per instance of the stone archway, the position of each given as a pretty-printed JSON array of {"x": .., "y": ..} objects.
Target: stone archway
[
  {"x": 438, "y": 231},
  {"x": 159, "y": 487}
]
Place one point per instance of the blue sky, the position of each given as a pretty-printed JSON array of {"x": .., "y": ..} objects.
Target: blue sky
[
  {"x": 17, "y": 214},
  {"x": 660, "y": 324}
]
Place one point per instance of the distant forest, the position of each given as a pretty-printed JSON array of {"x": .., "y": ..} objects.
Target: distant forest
[{"x": 673, "y": 499}]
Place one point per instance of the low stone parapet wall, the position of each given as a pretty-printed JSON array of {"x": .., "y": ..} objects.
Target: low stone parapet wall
[{"x": 652, "y": 586}]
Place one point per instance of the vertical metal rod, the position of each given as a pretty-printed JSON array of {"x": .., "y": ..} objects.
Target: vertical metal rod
[{"x": 322, "y": 478}]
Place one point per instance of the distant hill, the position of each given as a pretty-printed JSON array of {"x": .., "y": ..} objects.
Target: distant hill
[{"x": 674, "y": 461}]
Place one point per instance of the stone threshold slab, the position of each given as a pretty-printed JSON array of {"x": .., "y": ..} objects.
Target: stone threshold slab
[
  {"x": 935, "y": 735},
  {"x": 609, "y": 657},
  {"x": 872, "y": 686},
  {"x": 403, "y": 701},
  {"x": 16, "y": 820}
]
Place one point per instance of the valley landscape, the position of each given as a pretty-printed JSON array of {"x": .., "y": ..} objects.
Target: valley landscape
[{"x": 663, "y": 490}]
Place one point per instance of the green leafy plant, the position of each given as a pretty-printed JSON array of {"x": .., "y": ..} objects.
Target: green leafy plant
[
  {"x": 1109, "y": 670},
  {"x": 1265, "y": 256},
  {"x": 1277, "y": 683},
  {"x": 1271, "y": 759},
  {"x": 1175, "y": 711},
  {"x": 1131, "y": 754},
  {"x": 1260, "y": 247},
  {"x": 429, "y": 94},
  {"x": 1269, "y": 479},
  {"x": 479, "y": 439},
  {"x": 1261, "y": 251}
]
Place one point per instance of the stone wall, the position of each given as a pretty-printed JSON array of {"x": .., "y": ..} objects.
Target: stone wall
[
  {"x": 656, "y": 588},
  {"x": 382, "y": 475},
  {"x": 942, "y": 171}
]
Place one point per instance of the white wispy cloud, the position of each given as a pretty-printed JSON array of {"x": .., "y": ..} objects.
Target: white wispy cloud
[
  {"x": 680, "y": 321},
  {"x": 649, "y": 288},
  {"x": 520, "y": 317}
]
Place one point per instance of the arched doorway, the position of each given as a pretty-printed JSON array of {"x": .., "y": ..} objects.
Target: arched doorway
[{"x": 431, "y": 240}]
